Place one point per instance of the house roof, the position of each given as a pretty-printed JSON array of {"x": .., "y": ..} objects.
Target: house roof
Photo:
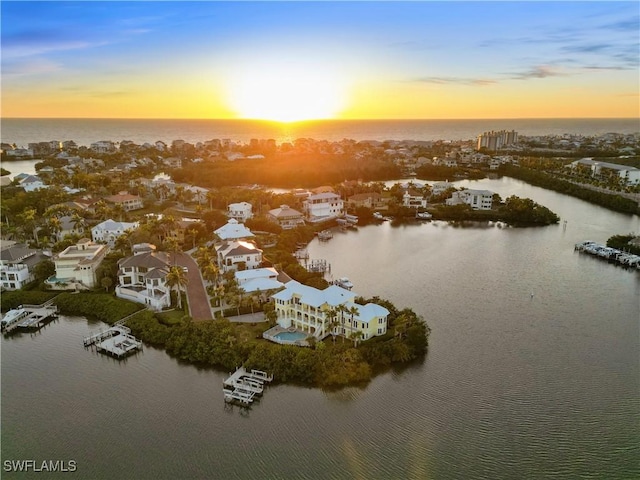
[
  {"x": 332, "y": 295},
  {"x": 323, "y": 196},
  {"x": 148, "y": 260},
  {"x": 233, "y": 230},
  {"x": 247, "y": 275},
  {"x": 121, "y": 197},
  {"x": 16, "y": 252},
  {"x": 113, "y": 225},
  {"x": 284, "y": 211},
  {"x": 262, "y": 284}
]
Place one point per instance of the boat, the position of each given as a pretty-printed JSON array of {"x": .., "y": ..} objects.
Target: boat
[
  {"x": 344, "y": 282},
  {"x": 423, "y": 216},
  {"x": 13, "y": 316},
  {"x": 378, "y": 216}
]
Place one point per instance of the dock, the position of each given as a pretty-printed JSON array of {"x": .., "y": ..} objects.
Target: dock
[
  {"x": 325, "y": 235},
  {"x": 116, "y": 341},
  {"x": 244, "y": 386},
  {"x": 612, "y": 255},
  {"x": 319, "y": 266},
  {"x": 29, "y": 317}
]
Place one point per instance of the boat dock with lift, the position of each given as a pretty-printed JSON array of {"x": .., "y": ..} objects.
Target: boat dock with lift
[
  {"x": 116, "y": 341},
  {"x": 610, "y": 254},
  {"x": 242, "y": 386},
  {"x": 28, "y": 317}
]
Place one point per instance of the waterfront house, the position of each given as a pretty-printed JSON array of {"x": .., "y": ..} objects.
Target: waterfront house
[
  {"x": 372, "y": 200},
  {"x": 439, "y": 187},
  {"x": 129, "y": 202},
  {"x": 286, "y": 217},
  {"x": 323, "y": 206},
  {"x": 240, "y": 211},
  {"x": 142, "y": 277},
  {"x": 76, "y": 265},
  {"x": 238, "y": 255},
  {"x": 413, "y": 199},
  {"x": 109, "y": 230},
  {"x": 17, "y": 262},
  {"x": 476, "y": 199},
  {"x": 309, "y": 310},
  {"x": 232, "y": 230}
]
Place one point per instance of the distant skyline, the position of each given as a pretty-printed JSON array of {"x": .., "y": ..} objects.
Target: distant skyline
[{"x": 306, "y": 60}]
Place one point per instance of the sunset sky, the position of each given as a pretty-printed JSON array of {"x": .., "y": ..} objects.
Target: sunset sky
[{"x": 298, "y": 60}]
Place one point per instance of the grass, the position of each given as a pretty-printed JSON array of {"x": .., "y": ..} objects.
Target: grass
[{"x": 172, "y": 317}]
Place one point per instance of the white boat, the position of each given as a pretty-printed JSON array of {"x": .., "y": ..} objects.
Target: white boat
[
  {"x": 13, "y": 316},
  {"x": 423, "y": 216},
  {"x": 344, "y": 282},
  {"x": 378, "y": 216}
]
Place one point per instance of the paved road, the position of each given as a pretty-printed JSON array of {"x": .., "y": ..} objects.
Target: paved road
[{"x": 199, "y": 307}]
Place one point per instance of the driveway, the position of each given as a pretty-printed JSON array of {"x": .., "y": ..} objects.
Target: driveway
[{"x": 199, "y": 307}]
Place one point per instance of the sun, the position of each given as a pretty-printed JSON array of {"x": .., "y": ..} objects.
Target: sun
[{"x": 286, "y": 94}]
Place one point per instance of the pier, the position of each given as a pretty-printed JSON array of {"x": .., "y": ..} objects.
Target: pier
[
  {"x": 325, "y": 235},
  {"x": 29, "y": 317},
  {"x": 243, "y": 386},
  {"x": 320, "y": 266},
  {"x": 116, "y": 341}
]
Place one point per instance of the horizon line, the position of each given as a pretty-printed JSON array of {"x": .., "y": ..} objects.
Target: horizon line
[{"x": 321, "y": 119}]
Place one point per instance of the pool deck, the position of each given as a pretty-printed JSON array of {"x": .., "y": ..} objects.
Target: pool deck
[{"x": 272, "y": 335}]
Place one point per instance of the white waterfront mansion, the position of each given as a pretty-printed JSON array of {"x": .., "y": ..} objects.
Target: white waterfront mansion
[
  {"x": 142, "y": 277},
  {"x": 323, "y": 206},
  {"x": 476, "y": 199},
  {"x": 309, "y": 310}
]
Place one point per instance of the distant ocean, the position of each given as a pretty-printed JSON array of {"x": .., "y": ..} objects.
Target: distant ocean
[{"x": 23, "y": 131}]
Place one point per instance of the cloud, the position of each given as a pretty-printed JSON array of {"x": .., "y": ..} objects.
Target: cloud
[
  {"x": 455, "y": 80},
  {"x": 539, "y": 71},
  {"x": 30, "y": 66}
]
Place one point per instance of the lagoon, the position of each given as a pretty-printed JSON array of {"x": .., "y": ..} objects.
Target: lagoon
[{"x": 513, "y": 386}]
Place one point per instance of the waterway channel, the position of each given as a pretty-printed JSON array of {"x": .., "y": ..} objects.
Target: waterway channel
[{"x": 532, "y": 372}]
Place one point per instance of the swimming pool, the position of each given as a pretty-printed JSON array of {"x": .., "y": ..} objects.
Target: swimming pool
[{"x": 291, "y": 336}]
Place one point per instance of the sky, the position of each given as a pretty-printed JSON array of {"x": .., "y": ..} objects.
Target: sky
[{"x": 292, "y": 61}]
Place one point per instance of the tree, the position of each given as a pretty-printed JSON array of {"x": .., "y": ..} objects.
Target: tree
[
  {"x": 353, "y": 311},
  {"x": 211, "y": 272},
  {"x": 29, "y": 219},
  {"x": 54, "y": 225},
  {"x": 106, "y": 282},
  {"x": 332, "y": 315},
  {"x": 44, "y": 270},
  {"x": 177, "y": 278}
]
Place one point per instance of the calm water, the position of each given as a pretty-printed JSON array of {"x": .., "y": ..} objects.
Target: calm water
[
  {"x": 86, "y": 131},
  {"x": 513, "y": 387}
]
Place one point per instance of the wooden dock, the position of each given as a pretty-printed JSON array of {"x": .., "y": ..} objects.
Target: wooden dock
[
  {"x": 116, "y": 341},
  {"x": 29, "y": 317},
  {"x": 243, "y": 386}
]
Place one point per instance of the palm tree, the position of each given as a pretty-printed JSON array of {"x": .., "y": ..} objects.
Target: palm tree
[
  {"x": 352, "y": 311},
  {"x": 356, "y": 336},
  {"x": 77, "y": 221},
  {"x": 29, "y": 220},
  {"x": 211, "y": 272},
  {"x": 194, "y": 235},
  {"x": 54, "y": 225},
  {"x": 203, "y": 257},
  {"x": 177, "y": 278},
  {"x": 332, "y": 315},
  {"x": 342, "y": 310}
]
